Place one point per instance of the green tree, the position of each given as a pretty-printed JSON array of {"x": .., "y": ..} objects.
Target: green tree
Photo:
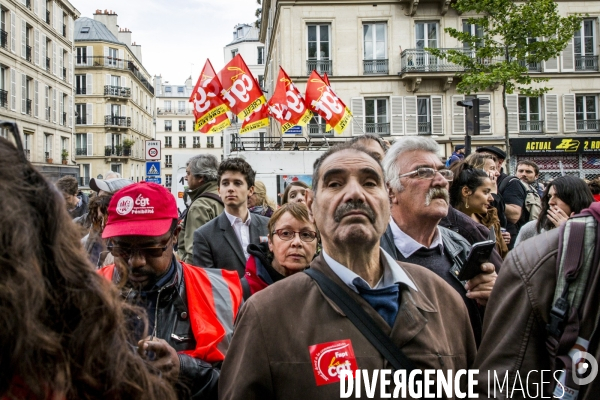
[
  {"x": 257, "y": 14},
  {"x": 510, "y": 36}
]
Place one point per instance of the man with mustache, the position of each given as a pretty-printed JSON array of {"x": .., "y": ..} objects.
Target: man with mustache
[
  {"x": 190, "y": 310},
  {"x": 417, "y": 183},
  {"x": 292, "y": 341}
]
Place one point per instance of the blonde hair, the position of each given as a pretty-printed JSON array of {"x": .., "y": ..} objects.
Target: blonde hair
[{"x": 260, "y": 190}]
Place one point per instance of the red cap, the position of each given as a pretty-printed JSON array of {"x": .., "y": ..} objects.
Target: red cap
[{"x": 141, "y": 209}]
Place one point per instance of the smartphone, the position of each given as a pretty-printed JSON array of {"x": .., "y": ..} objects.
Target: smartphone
[{"x": 480, "y": 253}]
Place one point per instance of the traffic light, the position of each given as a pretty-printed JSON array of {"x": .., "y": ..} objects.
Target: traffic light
[{"x": 473, "y": 115}]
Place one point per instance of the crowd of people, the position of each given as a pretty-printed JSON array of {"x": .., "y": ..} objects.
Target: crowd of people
[{"x": 118, "y": 296}]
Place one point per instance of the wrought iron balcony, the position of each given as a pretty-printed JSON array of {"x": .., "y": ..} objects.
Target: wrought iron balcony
[
  {"x": 117, "y": 91},
  {"x": 80, "y": 90},
  {"x": 532, "y": 67},
  {"x": 424, "y": 128},
  {"x": 182, "y": 145},
  {"x": 84, "y": 181},
  {"x": 113, "y": 120},
  {"x": 81, "y": 151},
  {"x": 48, "y": 64},
  {"x": 210, "y": 146},
  {"x": 168, "y": 128},
  {"x": 115, "y": 63},
  {"x": 4, "y": 39},
  {"x": 168, "y": 165},
  {"x": 168, "y": 145},
  {"x": 588, "y": 125},
  {"x": 116, "y": 150},
  {"x": 28, "y": 53},
  {"x": 318, "y": 130},
  {"x": 382, "y": 129},
  {"x": 81, "y": 120},
  {"x": 531, "y": 126},
  {"x": 420, "y": 60},
  {"x": 375, "y": 67},
  {"x": 28, "y": 107},
  {"x": 322, "y": 66},
  {"x": 196, "y": 145},
  {"x": 586, "y": 63},
  {"x": 3, "y": 98}
]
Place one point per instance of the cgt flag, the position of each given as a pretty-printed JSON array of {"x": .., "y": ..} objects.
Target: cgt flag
[
  {"x": 209, "y": 108},
  {"x": 287, "y": 105},
  {"x": 321, "y": 99},
  {"x": 243, "y": 95}
]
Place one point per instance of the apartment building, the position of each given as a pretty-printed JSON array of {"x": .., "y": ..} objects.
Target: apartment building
[
  {"x": 36, "y": 80},
  {"x": 375, "y": 58},
  {"x": 114, "y": 101}
]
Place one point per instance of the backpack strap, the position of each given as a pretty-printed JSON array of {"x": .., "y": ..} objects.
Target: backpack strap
[{"x": 505, "y": 183}]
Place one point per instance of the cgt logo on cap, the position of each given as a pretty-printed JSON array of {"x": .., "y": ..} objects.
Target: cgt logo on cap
[{"x": 125, "y": 205}]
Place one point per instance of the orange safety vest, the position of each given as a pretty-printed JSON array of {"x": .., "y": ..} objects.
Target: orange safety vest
[{"x": 214, "y": 298}]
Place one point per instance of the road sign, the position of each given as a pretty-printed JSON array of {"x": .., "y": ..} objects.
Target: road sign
[
  {"x": 152, "y": 150},
  {"x": 294, "y": 130},
  {"x": 152, "y": 168},
  {"x": 152, "y": 179}
]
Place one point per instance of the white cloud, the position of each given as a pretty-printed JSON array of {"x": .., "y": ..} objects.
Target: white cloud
[{"x": 174, "y": 34}]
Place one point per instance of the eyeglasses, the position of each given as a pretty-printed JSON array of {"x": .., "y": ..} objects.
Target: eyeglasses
[
  {"x": 287, "y": 234},
  {"x": 429, "y": 173},
  {"x": 148, "y": 252}
]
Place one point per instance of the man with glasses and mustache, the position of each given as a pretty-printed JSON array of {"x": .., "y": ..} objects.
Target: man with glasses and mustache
[
  {"x": 417, "y": 183},
  {"x": 190, "y": 310}
]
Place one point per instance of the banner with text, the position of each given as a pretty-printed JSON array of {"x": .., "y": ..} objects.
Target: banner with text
[
  {"x": 321, "y": 100},
  {"x": 209, "y": 108},
  {"x": 287, "y": 105}
]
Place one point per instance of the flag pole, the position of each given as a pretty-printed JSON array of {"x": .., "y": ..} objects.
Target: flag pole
[{"x": 357, "y": 124}]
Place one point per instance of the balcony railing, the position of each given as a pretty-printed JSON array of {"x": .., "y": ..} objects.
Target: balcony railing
[
  {"x": 81, "y": 120},
  {"x": 420, "y": 60},
  {"x": 168, "y": 128},
  {"x": 168, "y": 165},
  {"x": 531, "y": 126},
  {"x": 588, "y": 125},
  {"x": 210, "y": 145},
  {"x": 532, "y": 67},
  {"x": 196, "y": 145},
  {"x": 3, "y": 98},
  {"x": 28, "y": 53},
  {"x": 182, "y": 145},
  {"x": 117, "y": 91},
  {"x": 318, "y": 130},
  {"x": 84, "y": 181},
  {"x": 113, "y": 150},
  {"x": 424, "y": 128},
  {"x": 4, "y": 39},
  {"x": 322, "y": 66},
  {"x": 47, "y": 156},
  {"x": 47, "y": 16},
  {"x": 114, "y": 63},
  {"x": 28, "y": 107},
  {"x": 168, "y": 145},
  {"x": 48, "y": 64},
  {"x": 81, "y": 151},
  {"x": 80, "y": 90},
  {"x": 382, "y": 129},
  {"x": 375, "y": 67},
  {"x": 113, "y": 120},
  {"x": 586, "y": 63}
]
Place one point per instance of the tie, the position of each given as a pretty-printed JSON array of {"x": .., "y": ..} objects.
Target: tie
[{"x": 384, "y": 301}]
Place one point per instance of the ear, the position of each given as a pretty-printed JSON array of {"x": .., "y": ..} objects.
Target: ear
[
  {"x": 270, "y": 243},
  {"x": 251, "y": 191},
  {"x": 391, "y": 194},
  {"x": 176, "y": 233},
  {"x": 466, "y": 192}
]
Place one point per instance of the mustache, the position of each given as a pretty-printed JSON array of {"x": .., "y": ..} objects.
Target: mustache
[
  {"x": 437, "y": 193},
  {"x": 353, "y": 206}
]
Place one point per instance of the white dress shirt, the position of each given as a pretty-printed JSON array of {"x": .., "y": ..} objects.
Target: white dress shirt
[
  {"x": 407, "y": 245},
  {"x": 242, "y": 230}
]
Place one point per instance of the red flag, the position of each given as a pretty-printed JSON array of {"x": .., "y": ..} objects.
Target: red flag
[
  {"x": 321, "y": 99},
  {"x": 243, "y": 95},
  {"x": 287, "y": 105},
  {"x": 208, "y": 105}
]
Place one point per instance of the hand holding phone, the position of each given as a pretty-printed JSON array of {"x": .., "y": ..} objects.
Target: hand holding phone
[{"x": 480, "y": 253}]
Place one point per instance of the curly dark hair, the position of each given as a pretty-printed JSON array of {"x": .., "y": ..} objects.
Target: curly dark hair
[
  {"x": 237, "y": 164},
  {"x": 64, "y": 327}
]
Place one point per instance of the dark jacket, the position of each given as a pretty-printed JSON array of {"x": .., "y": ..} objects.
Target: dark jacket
[
  {"x": 83, "y": 208},
  {"x": 259, "y": 272},
  {"x": 269, "y": 357}
]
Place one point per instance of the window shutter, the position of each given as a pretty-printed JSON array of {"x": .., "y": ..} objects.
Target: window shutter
[
  {"x": 89, "y": 113},
  {"x": 36, "y": 99},
  {"x": 485, "y": 108},
  {"x": 568, "y": 57},
  {"x": 56, "y": 11},
  {"x": 105, "y": 55},
  {"x": 512, "y": 105},
  {"x": 61, "y": 61},
  {"x": 61, "y": 104},
  {"x": 358, "y": 112},
  {"x": 13, "y": 32},
  {"x": 90, "y": 144},
  {"x": 108, "y": 110},
  {"x": 89, "y": 84},
  {"x": 23, "y": 38},
  {"x": 70, "y": 70},
  {"x": 70, "y": 101},
  {"x": 458, "y": 116},
  {"x": 46, "y": 115},
  {"x": 90, "y": 55},
  {"x": 43, "y": 48},
  {"x": 54, "y": 58},
  {"x": 570, "y": 123},
  {"x": 410, "y": 115},
  {"x": 397, "y": 117},
  {"x": 121, "y": 56},
  {"x": 551, "y": 111},
  {"x": 107, "y": 80},
  {"x": 35, "y": 6},
  {"x": 437, "y": 115},
  {"x": 70, "y": 23},
  {"x": 23, "y": 93},
  {"x": 43, "y": 10},
  {"x": 36, "y": 47},
  {"x": 54, "y": 104}
]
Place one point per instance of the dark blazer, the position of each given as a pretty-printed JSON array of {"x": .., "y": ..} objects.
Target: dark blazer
[{"x": 217, "y": 246}]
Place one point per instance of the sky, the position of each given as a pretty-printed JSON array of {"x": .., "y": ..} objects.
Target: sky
[{"x": 177, "y": 36}]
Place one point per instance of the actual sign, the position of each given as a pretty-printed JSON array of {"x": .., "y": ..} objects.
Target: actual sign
[
  {"x": 576, "y": 145},
  {"x": 152, "y": 150},
  {"x": 152, "y": 168}
]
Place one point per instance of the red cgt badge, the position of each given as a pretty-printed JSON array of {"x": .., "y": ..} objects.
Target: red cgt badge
[{"x": 329, "y": 359}]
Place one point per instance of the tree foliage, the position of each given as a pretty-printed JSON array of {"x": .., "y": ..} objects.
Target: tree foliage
[{"x": 257, "y": 14}]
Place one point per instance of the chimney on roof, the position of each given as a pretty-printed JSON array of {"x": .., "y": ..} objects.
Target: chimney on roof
[{"x": 109, "y": 19}]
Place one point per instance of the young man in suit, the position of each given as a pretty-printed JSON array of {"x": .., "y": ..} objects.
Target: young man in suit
[{"x": 222, "y": 242}]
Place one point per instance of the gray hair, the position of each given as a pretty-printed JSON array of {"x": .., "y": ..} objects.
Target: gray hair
[
  {"x": 112, "y": 175},
  {"x": 404, "y": 145},
  {"x": 204, "y": 166}
]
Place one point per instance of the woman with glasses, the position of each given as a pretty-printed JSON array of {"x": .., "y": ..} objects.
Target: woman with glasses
[
  {"x": 471, "y": 193},
  {"x": 292, "y": 244}
]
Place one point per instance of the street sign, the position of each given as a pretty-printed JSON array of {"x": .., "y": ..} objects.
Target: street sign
[
  {"x": 152, "y": 168},
  {"x": 152, "y": 179},
  {"x": 152, "y": 150},
  {"x": 294, "y": 130}
]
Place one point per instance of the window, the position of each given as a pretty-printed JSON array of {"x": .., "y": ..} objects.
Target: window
[
  {"x": 168, "y": 126},
  {"x": 168, "y": 161},
  {"x": 167, "y": 89},
  {"x": 196, "y": 142},
  {"x": 168, "y": 105},
  {"x": 319, "y": 49},
  {"x": 168, "y": 141},
  {"x": 210, "y": 142},
  {"x": 116, "y": 168},
  {"x": 376, "y": 116},
  {"x": 426, "y": 34},
  {"x": 85, "y": 29},
  {"x": 182, "y": 142},
  {"x": 261, "y": 55},
  {"x": 586, "y": 112},
  {"x": 84, "y": 180},
  {"x": 261, "y": 81},
  {"x": 181, "y": 106},
  {"x": 27, "y": 139},
  {"x": 182, "y": 126},
  {"x": 585, "y": 45},
  {"x": 80, "y": 110},
  {"x": 474, "y": 30},
  {"x": 113, "y": 56},
  {"x": 424, "y": 115},
  {"x": 375, "y": 58},
  {"x": 180, "y": 89},
  {"x": 168, "y": 180},
  {"x": 529, "y": 114},
  {"x": 81, "y": 144},
  {"x": 234, "y": 52},
  {"x": 48, "y": 138},
  {"x": 64, "y": 143},
  {"x": 80, "y": 84}
]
